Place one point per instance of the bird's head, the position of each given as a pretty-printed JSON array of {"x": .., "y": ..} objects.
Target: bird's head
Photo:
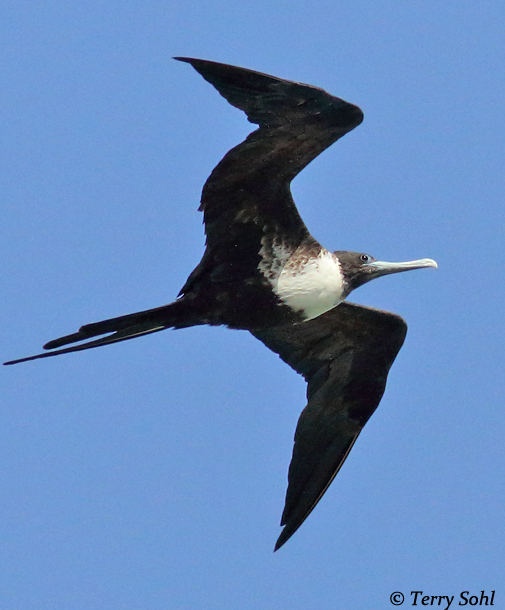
[{"x": 358, "y": 268}]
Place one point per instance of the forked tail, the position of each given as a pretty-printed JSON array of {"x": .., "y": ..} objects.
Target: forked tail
[{"x": 175, "y": 315}]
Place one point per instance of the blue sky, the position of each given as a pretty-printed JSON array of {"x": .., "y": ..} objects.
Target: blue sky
[{"x": 151, "y": 474}]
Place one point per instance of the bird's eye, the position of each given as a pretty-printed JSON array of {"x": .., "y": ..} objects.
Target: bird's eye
[{"x": 365, "y": 258}]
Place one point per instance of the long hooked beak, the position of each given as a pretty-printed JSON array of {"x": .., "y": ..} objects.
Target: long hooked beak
[{"x": 379, "y": 268}]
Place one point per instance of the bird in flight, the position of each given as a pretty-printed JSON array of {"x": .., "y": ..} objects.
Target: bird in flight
[{"x": 263, "y": 272}]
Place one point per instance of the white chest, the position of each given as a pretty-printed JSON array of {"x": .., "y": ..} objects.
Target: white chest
[{"x": 311, "y": 286}]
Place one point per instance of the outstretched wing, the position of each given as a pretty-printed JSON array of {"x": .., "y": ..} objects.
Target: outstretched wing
[
  {"x": 246, "y": 201},
  {"x": 248, "y": 209},
  {"x": 345, "y": 356}
]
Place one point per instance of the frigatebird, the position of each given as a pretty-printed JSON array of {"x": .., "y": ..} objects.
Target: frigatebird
[{"x": 263, "y": 272}]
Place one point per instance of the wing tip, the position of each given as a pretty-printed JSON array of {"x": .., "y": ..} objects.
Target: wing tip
[
  {"x": 188, "y": 60},
  {"x": 194, "y": 61},
  {"x": 285, "y": 535}
]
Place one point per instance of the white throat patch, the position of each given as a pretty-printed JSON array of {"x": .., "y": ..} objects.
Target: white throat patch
[{"x": 310, "y": 285}]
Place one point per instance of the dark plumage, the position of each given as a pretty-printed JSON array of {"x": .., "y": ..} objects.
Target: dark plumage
[
  {"x": 262, "y": 271},
  {"x": 345, "y": 356}
]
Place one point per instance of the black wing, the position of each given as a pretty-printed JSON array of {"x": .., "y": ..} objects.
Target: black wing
[
  {"x": 247, "y": 200},
  {"x": 345, "y": 356}
]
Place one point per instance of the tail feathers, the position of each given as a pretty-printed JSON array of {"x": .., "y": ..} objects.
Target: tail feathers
[
  {"x": 165, "y": 317},
  {"x": 135, "y": 331},
  {"x": 174, "y": 315}
]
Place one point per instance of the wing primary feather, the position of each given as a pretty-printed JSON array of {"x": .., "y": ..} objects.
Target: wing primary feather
[{"x": 292, "y": 526}]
